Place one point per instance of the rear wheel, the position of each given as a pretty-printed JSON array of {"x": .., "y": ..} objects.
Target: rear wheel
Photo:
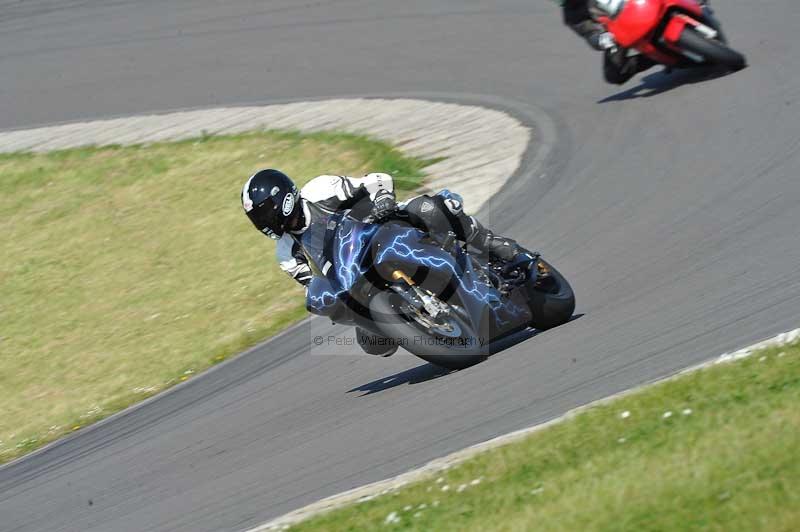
[
  {"x": 446, "y": 341},
  {"x": 713, "y": 51},
  {"x": 550, "y": 298}
]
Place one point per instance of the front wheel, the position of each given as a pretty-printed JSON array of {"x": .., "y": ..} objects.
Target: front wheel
[
  {"x": 550, "y": 298},
  {"x": 711, "y": 50},
  {"x": 447, "y": 342}
]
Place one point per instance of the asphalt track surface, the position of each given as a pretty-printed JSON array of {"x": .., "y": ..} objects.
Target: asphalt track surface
[{"x": 671, "y": 205}]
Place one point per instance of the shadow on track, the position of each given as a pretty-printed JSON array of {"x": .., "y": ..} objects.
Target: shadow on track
[
  {"x": 521, "y": 336},
  {"x": 658, "y": 82},
  {"x": 423, "y": 373},
  {"x": 429, "y": 372}
]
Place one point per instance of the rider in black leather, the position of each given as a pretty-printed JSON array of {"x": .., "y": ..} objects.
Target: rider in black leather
[
  {"x": 277, "y": 209},
  {"x": 618, "y": 66}
]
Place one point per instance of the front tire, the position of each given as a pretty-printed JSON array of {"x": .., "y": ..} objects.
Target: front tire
[
  {"x": 454, "y": 353},
  {"x": 712, "y": 51},
  {"x": 551, "y": 300}
]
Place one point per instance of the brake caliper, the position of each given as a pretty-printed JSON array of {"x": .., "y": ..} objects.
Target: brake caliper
[{"x": 432, "y": 305}]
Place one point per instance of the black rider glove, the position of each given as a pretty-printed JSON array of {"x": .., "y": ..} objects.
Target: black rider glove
[{"x": 384, "y": 205}]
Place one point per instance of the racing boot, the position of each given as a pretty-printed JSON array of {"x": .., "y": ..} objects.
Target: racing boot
[
  {"x": 375, "y": 344},
  {"x": 467, "y": 228},
  {"x": 505, "y": 249},
  {"x": 619, "y": 67}
]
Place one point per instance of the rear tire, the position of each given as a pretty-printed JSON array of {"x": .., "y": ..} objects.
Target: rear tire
[
  {"x": 553, "y": 303},
  {"x": 451, "y": 356},
  {"x": 713, "y": 51}
]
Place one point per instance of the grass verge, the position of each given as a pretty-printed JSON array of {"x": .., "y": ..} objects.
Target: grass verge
[
  {"x": 128, "y": 269},
  {"x": 716, "y": 449}
]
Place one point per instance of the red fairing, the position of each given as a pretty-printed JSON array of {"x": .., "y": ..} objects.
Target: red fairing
[
  {"x": 675, "y": 28},
  {"x": 678, "y": 23},
  {"x": 690, "y": 6},
  {"x": 639, "y": 18}
]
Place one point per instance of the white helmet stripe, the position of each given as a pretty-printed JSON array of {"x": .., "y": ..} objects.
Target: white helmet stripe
[{"x": 247, "y": 203}]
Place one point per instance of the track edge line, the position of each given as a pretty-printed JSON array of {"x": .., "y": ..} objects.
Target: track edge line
[{"x": 385, "y": 486}]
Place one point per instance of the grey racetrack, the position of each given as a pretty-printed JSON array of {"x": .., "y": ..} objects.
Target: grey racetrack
[{"x": 670, "y": 203}]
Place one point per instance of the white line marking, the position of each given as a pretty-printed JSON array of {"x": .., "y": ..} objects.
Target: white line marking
[
  {"x": 482, "y": 148},
  {"x": 383, "y": 487}
]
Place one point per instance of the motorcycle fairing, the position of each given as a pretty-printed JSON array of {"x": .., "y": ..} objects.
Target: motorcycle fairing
[
  {"x": 642, "y": 25},
  {"x": 451, "y": 276},
  {"x": 335, "y": 246},
  {"x": 634, "y": 22},
  {"x": 351, "y": 259}
]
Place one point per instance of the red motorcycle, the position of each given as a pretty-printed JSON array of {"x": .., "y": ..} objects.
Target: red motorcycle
[{"x": 676, "y": 33}]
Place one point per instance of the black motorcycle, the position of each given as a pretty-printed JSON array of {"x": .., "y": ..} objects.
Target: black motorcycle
[{"x": 428, "y": 293}]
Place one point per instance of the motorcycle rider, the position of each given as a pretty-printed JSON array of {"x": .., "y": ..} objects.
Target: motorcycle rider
[
  {"x": 277, "y": 209},
  {"x": 618, "y": 66}
]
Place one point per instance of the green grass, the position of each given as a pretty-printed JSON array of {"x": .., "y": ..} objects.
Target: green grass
[
  {"x": 727, "y": 458},
  {"x": 128, "y": 269}
]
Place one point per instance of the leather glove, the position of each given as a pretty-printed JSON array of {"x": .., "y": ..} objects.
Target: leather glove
[
  {"x": 602, "y": 41},
  {"x": 384, "y": 205}
]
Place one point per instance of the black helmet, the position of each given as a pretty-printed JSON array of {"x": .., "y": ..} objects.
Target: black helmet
[{"x": 271, "y": 201}]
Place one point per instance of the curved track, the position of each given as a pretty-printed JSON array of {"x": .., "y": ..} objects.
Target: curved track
[{"x": 671, "y": 208}]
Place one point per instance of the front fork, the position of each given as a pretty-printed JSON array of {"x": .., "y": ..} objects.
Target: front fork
[
  {"x": 675, "y": 28},
  {"x": 424, "y": 299}
]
